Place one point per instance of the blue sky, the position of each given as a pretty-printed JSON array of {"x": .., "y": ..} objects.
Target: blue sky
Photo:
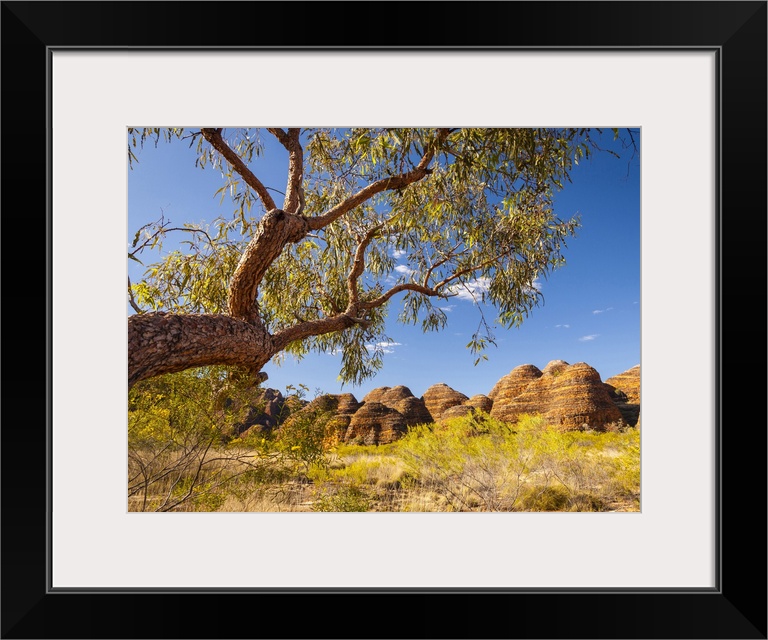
[{"x": 591, "y": 307}]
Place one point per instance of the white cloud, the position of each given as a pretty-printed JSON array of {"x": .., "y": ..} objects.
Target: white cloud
[
  {"x": 471, "y": 290},
  {"x": 474, "y": 289},
  {"x": 404, "y": 269},
  {"x": 536, "y": 284},
  {"x": 588, "y": 338},
  {"x": 398, "y": 253},
  {"x": 384, "y": 347},
  {"x": 448, "y": 307},
  {"x": 596, "y": 311},
  {"x": 564, "y": 326}
]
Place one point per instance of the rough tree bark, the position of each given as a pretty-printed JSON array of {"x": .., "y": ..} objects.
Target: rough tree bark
[{"x": 161, "y": 343}]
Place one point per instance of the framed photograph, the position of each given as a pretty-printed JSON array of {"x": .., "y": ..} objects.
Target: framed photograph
[{"x": 689, "y": 77}]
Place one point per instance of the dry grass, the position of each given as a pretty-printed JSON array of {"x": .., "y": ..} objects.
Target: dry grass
[{"x": 469, "y": 464}]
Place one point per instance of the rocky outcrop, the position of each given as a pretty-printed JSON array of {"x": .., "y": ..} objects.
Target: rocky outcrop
[
  {"x": 401, "y": 399},
  {"x": 480, "y": 402},
  {"x": 616, "y": 394},
  {"x": 456, "y": 411},
  {"x": 555, "y": 367},
  {"x": 578, "y": 398},
  {"x": 626, "y": 388},
  {"x": 477, "y": 403},
  {"x": 385, "y": 415},
  {"x": 393, "y": 395},
  {"x": 413, "y": 409},
  {"x": 375, "y": 423},
  {"x": 346, "y": 407},
  {"x": 266, "y": 410},
  {"x": 513, "y": 384},
  {"x": 629, "y": 383},
  {"x": 568, "y": 397},
  {"x": 375, "y": 395},
  {"x": 440, "y": 397}
]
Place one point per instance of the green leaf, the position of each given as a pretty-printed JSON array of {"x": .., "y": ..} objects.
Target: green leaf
[{"x": 484, "y": 212}]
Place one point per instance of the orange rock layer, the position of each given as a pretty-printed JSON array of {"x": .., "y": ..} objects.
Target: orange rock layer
[{"x": 568, "y": 397}]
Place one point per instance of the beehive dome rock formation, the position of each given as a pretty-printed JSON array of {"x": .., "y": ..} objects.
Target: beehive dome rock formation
[
  {"x": 375, "y": 395},
  {"x": 567, "y": 396},
  {"x": 480, "y": 402},
  {"x": 401, "y": 399},
  {"x": 512, "y": 384},
  {"x": 440, "y": 397},
  {"x": 348, "y": 404},
  {"x": 375, "y": 423},
  {"x": 577, "y": 398},
  {"x": 628, "y": 384},
  {"x": 555, "y": 367},
  {"x": 477, "y": 403}
]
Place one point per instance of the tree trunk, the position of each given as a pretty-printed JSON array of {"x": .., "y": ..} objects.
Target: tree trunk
[
  {"x": 160, "y": 343},
  {"x": 275, "y": 230}
]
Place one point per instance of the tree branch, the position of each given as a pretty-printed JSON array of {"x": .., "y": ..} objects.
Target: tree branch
[
  {"x": 439, "y": 263},
  {"x": 407, "y": 286},
  {"x": 473, "y": 268},
  {"x": 294, "y": 198},
  {"x": 310, "y": 328},
  {"x": 213, "y": 136},
  {"x": 281, "y": 135},
  {"x": 385, "y": 184},
  {"x": 162, "y": 230},
  {"x": 161, "y": 343},
  {"x": 427, "y": 290},
  {"x": 358, "y": 266},
  {"x": 132, "y": 300}
]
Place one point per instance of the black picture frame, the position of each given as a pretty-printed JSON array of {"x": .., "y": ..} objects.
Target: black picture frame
[{"x": 736, "y": 608}]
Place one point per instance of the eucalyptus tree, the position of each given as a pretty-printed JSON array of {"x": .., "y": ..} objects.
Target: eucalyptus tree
[{"x": 371, "y": 219}]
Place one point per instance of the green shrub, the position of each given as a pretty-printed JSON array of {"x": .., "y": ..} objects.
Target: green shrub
[
  {"x": 183, "y": 456},
  {"x": 301, "y": 438},
  {"x": 478, "y": 463},
  {"x": 181, "y": 446}
]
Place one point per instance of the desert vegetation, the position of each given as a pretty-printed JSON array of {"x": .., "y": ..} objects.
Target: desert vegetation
[{"x": 187, "y": 452}]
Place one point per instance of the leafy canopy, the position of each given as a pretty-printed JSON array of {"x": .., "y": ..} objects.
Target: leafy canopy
[{"x": 480, "y": 220}]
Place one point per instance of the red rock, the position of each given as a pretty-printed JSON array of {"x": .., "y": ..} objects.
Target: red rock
[
  {"x": 375, "y": 423},
  {"x": 567, "y": 397},
  {"x": 629, "y": 383},
  {"x": 440, "y": 397},
  {"x": 627, "y": 390},
  {"x": 481, "y": 402},
  {"x": 512, "y": 384}
]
